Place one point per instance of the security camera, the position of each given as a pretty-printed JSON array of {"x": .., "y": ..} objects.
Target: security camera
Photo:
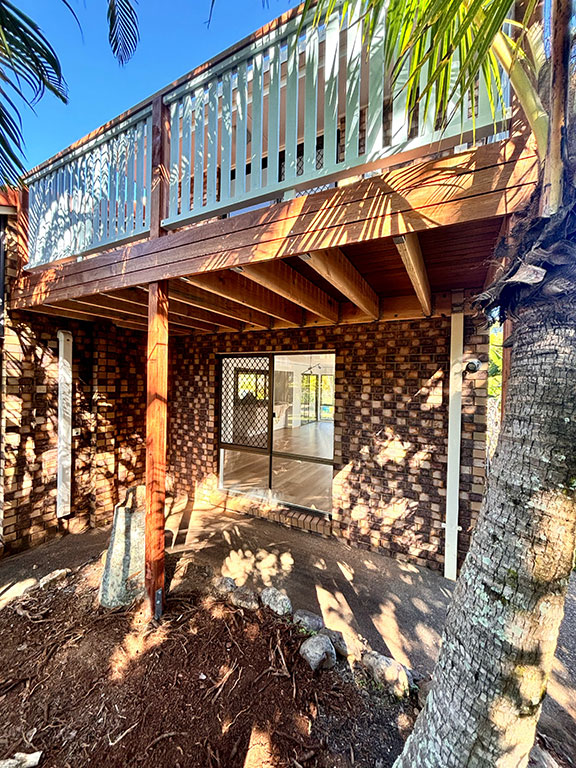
[{"x": 472, "y": 366}]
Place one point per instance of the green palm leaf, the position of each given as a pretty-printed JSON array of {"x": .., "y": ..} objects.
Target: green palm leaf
[{"x": 122, "y": 29}]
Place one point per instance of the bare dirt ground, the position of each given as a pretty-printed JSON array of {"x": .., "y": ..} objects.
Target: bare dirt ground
[{"x": 210, "y": 686}]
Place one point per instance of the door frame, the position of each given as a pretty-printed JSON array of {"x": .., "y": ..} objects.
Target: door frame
[{"x": 269, "y": 450}]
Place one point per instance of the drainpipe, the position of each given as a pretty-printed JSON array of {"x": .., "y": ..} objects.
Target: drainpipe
[
  {"x": 451, "y": 525},
  {"x": 3, "y": 221}
]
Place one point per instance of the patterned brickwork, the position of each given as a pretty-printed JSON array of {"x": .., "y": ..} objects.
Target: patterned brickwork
[
  {"x": 108, "y": 422},
  {"x": 390, "y": 428}
]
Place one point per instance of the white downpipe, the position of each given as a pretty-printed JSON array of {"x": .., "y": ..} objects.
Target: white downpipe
[
  {"x": 451, "y": 526},
  {"x": 64, "y": 481}
]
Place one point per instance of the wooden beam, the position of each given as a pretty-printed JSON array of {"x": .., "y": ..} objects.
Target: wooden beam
[
  {"x": 336, "y": 268},
  {"x": 83, "y": 316},
  {"x": 285, "y": 281},
  {"x": 233, "y": 286},
  {"x": 100, "y": 306},
  {"x": 156, "y": 430},
  {"x": 478, "y": 184},
  {"x": 160, "y": 166},
  {"x": 189, "y": 294},
  {"x": 139, "y": 296},
  {"x": 411, "y": 254}
]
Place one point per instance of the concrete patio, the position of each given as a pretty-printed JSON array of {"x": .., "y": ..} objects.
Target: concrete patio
[{"x": 397, "y": 608}]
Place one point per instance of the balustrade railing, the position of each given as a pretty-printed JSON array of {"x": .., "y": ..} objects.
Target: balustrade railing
[{"x": 301, "y": 106}]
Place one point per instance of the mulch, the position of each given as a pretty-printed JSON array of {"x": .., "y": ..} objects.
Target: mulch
[{"x": 209, "y": 686}]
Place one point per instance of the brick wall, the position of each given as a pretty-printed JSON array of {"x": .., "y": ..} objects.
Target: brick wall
[
  {"x": 390, "y": 428},
  {"x": 108, "y": 372},
  {"x": 108, "y": 424}
]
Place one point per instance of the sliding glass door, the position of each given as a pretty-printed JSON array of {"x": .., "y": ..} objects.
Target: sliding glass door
[{"x": 277, "y": 427}]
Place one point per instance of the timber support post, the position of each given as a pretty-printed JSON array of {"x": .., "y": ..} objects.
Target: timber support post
[{"x": 156, "y": 422}]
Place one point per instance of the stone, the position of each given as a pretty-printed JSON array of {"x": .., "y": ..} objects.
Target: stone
[
  {"x": 53, "y": 577},
  {"x": 319, "y": 652},
  {"x": 424, "y": 687},
  {"x": 223, "y": 585},
  {"x": 277, "y": 601},
  {"x": 123, "y": 576},
  {"x": 387, "y": 672},
  {"x": 337, "y": 640},
  {"x": 22, "y": 760},
  {"x": 245, "y": 598},
  {"x": 310, "y": 621}
]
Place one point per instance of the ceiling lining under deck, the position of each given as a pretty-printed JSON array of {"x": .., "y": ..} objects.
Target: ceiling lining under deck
[{"x": 455, "y": 257}]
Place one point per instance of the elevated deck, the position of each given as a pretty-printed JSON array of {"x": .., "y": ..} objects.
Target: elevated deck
[{"x": 287, "y": 167}]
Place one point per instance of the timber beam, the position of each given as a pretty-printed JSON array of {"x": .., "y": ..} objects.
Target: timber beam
[
  {"x": 338, "y": 270},
  {"x": 411, "y": 254},
  {"x": 285, "y": 281},
  {"x": 234, "y": 286},
  {"x": 185, "y": 292}
]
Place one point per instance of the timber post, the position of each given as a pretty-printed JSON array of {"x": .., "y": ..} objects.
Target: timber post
[
  {"x": 160, "y": 166},
  {"x": 156, "y": 420}
]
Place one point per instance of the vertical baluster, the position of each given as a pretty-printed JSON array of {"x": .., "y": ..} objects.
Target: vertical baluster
[
  {"x": 185, "y": 202},
  {"x": 331, "y": 70},
  {"x": 148, "y": 185},
  {"x": 199, "y": 150},
  {"x": 375, "y": 120},
  {"x": 273, "y": 116},
  {"x": 123, "y": 140},
  {"x": 256, "y": 144},
  {"x": 241, "y": 126},
  {"x": 353, "y": 62},
  {"x": 174, "y": 158},
  {"x": 427, "y": 107},
  {"x": 226, "y": 123},
  {"x": 47, "y": 222},
  {"x": 64, "y": 211},
  {"x": 212, "y": 155},
  {"x": 399, "y": 115},
  {"x": 291, "y": 107},
  {"x": 72, "y": 219},
  {"x": 311, "y": 102},
  {"x": 139, "y": 192},
  {"x": 112, "y": 145},
  {"x": 129, "y": 226},
  {"x": 96, "y": 184},
  {"x": 85, "y": 202}
]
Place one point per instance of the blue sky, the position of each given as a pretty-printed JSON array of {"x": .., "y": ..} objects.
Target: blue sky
[{"x": 173, "y": 40}]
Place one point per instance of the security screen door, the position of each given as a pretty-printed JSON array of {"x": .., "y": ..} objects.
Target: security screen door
[{"x": 277, "y": 427}]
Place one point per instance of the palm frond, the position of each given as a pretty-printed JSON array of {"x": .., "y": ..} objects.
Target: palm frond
[
  {"x": 123, "y": 31},
  {"x": 29, "y": 67},
  {"x": 445, "y": 50}
]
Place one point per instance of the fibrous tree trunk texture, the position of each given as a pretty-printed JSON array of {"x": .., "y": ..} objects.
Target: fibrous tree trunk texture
[{"x": 502, "y": 628}]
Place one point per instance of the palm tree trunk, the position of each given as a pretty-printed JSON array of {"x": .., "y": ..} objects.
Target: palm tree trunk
[{"x": 501, "y": 632}]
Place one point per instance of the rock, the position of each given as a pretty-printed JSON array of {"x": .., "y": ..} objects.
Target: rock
[
  {"x": 245, "y": 598},
  {"x": 540, "y": 758},
  {"x": 424, "y": 687},
  {"x": 223, "y": 585},
  {"x": 22, "y": 760},
  {"x": 337, "y": 640},
  {"x": 310, "y": 621},
  {"x": 277, "y": 601},
  {"x": 388, "y": 672},
  {"x": 319, "y": 652},
  {"x": 52, "y": 578},
  {"x": 123, "y": 577}
]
